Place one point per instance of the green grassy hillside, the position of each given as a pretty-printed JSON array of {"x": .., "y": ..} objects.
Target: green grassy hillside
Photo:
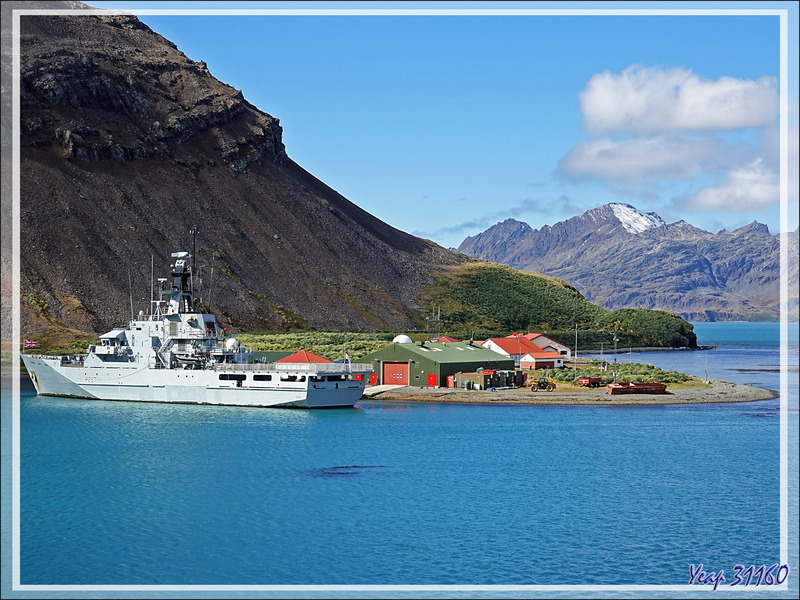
[{"x": 486, "y": 297}]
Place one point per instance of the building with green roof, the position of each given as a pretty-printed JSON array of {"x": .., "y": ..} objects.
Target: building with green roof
[{"x": 429, "y": 363}]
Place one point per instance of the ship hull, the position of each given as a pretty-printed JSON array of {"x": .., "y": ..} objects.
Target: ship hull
[{"x": 188, "y": 386}]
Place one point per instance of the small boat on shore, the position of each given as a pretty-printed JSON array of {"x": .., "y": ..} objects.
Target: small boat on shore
[{"x": 627, "y": 387}]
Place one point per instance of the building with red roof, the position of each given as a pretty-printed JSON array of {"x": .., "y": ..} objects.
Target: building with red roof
[
  {"x": 304, "y": 356},
  {"x": 443, "y": 339},
  {"x": 519, "y": 347},
  {"x": 546, "y": 343},
  {"x": 541, "y": 360}
]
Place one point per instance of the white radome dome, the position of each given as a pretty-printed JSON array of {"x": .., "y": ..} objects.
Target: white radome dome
[
  {"x": 402, "y": 339},
  {"x": 232, "y": 344}
]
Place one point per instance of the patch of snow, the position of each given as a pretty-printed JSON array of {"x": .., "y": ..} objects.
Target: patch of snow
[{"x": 634, "y": 220}]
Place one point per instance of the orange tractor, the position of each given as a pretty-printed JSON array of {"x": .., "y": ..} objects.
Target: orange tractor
[{"x": 540, "y": 383}]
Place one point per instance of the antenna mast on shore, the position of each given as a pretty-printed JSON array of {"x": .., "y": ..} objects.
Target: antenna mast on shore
[{"x": 436, "y": 319}]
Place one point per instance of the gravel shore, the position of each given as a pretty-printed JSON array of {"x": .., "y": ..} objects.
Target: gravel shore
[{"x": 715, "y": 391}]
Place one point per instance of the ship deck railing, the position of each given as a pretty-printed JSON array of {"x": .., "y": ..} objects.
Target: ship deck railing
[
  {"x": 295, "y": 367},
  {"x": 64, "y": 359},
  {"x": 77, "y": 361}
]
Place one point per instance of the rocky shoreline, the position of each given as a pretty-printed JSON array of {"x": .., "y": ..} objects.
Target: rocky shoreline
[
  {"x": 716, "y": 391},
  {"x": 630, "y": 350}
]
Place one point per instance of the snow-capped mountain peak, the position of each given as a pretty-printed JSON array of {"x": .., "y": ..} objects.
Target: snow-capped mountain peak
[{"x": 633, "y": 220}]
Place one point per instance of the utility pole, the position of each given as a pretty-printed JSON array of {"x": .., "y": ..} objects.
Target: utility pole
[
  {"x": 575, "y": 367},
  {"x": 616, "y": 339}
]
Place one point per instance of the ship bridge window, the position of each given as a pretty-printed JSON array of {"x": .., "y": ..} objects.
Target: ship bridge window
[
  {"x": 232, "y": 377},
  {"x": 293, "y": 377},
  {"x": 262, "y": 377},
  {"x": 337, "y": 377}
]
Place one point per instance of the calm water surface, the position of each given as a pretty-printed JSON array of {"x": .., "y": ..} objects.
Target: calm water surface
[{"x": 402, "y": 493}]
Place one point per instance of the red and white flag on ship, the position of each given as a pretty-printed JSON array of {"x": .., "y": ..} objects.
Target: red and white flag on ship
[
  {"x": 347, "y": 358},
  {"x": 30, "y": 344}
]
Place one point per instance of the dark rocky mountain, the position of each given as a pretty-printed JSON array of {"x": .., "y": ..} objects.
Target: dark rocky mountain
[
  {"x": 127, "y": 144},
  {"x": 619, "y": 257}
]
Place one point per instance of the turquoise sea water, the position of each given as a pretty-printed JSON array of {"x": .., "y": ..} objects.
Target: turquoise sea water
[
  {"x": 409, "y": 493},
  {"x": 755, "y": 334}
]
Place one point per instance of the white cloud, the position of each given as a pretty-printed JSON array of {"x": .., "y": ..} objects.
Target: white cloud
[
  {"x": 645, "y": 101},
  {"x": 648, "y": 159},
  {"x": 750, "y": 188}
]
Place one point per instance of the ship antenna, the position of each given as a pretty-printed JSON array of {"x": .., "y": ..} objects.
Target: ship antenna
[
  {"x": 151, "y": 287},
  {"x": 210, "y": 289},
  {"x": 200, "y": 284},
  {"x": 130, "y": 291},
  {"x": 193, "y": 231}
]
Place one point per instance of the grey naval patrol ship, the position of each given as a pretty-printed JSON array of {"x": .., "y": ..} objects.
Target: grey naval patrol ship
[{"x": 177, "y": 355}]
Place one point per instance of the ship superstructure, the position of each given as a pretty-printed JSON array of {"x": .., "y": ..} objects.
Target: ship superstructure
[{"x": 178, "y": 354}]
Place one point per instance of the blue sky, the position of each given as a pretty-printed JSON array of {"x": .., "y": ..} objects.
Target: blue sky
[{"x": 445, "y": 125}]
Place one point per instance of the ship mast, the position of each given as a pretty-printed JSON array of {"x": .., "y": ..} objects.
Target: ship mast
[
  {"x": 194, "y": 233},
  {"x": 181, "y": 300}
]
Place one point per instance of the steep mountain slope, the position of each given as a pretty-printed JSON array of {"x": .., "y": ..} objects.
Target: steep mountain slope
[
  {"x": 619, "y": 257},
  {"x": 127, "y": 145}
]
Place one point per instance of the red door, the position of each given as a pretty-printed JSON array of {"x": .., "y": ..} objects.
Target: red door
[
  {"x": 432, "y": 380},
  {"x": 395, "y": 373}
]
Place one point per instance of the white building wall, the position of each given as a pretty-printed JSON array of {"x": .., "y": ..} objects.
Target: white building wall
[
  {"x": 495, "y": 348},
  {"x": 545, "y": 342}
]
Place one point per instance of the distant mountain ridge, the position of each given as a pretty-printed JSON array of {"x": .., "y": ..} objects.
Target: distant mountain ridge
[{"x": 620, "y": 257}]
